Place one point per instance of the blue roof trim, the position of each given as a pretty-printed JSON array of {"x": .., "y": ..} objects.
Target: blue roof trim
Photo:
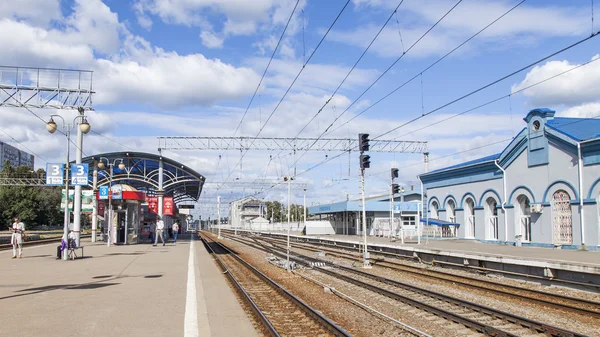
[
  {"x": 544, "y": 112},
  {"x": 579, "y": 129},
  {"x": 438, "y": 222},
  {"x": 468, "y": 163}
]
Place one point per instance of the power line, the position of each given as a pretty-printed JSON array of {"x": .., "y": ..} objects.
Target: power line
[
  {"x": 500, "y": 98},
  {"x": 490, "y": 84},
  {"x": 292, "y": 84},
  {"x": 376, "y": 80},
  {"x": 428, "y": 67},
  {"x": 30, "y": 150},
  {"x": 351, "y": 69},
  {"x": 268, "y": 64}
]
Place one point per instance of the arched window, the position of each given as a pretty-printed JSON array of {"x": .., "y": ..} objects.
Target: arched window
[
  {"x": 491, "y": 215},
  {"x": 562, "y": 218},
  {"x": 450, "y": 207},
  {"x": 523, "y": 218},
  {"x": 434, "y": 212},
  {"x": 469, "y": 218}
]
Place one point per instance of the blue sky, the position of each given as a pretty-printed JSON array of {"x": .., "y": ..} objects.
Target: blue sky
[{"x": 189, "y": 67}]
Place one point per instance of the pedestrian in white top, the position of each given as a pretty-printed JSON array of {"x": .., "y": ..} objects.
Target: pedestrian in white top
[
  {"x": 175, "y": 232},
  {"x": 17, "y": 228},
  {"x": 160, "y": 227}
]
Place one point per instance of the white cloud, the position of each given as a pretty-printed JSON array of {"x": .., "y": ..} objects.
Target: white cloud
[
  {"x": 524, "y": 25},
  {"x": 210, "y": 40},
  {"x": 242, "y": 17},
  {"x": 579, "y": 86},
  {"x": 39, "y": 12},
  {"x": 588, "y": 110}
]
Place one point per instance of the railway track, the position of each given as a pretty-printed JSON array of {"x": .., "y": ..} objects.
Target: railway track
[
  {"x": 564, "y": 303},
  {"x": 479, "y": 318},
  {"x": 279, "y": 312}
]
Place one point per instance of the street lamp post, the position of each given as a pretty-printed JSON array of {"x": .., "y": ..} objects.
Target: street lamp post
[
  {"x": 219, "y": 216},
  {"x": 51, "y": 127},
  {"x": 101, "y": 166}
]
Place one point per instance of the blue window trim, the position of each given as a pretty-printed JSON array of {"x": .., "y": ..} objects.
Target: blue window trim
[
  {"x": 490, "y": 190},
  {"x": 510, "y": 198},
  {"x": 446, "y": 201},
  {"x": 575, "y": 194},
  {"x": 468, "y": 194},
  {"x": 431, "y": 200},
  {"x": 592, "y": 188}
]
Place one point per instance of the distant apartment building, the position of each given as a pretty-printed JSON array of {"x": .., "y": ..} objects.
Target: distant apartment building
[{"x": 15, "y": 156}]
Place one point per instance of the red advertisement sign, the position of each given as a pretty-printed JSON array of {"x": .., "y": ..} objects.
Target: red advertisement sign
[
  {"x": 101, "y": 207},
  {"x": 168, "y": 205},
  {"x": 152, "y": 205}
]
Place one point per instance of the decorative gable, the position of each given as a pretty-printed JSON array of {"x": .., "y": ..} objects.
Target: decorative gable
[{"x": 537, "y": 144}]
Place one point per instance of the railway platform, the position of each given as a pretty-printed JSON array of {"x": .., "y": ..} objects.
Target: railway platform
[
  {"x": 132, "y": 290},
  {"x": 571, "y": 267}
]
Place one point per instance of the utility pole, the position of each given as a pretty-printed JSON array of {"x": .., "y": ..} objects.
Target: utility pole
[
  {"x": 219, "y": 215},
  {"x": 364, "y": 161},
  {"x": 288, "y": 179},
  {"x": 393, "y": 191},
  {"x": 304, "y": 207}
]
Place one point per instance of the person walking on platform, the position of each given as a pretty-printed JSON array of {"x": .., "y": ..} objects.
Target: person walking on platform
[
  {"x": 175, "y": 232},
  {"x": 160, "y": 227},
  {"x": 17, "y": 229}
]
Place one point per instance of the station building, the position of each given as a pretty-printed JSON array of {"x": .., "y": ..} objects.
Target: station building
[
  {"x": 541, "y": 190},
  {"x": 247, "y": 213},
  {"x": 346, "y": 216}
]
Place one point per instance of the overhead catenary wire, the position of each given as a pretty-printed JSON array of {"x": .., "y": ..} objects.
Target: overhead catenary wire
[
  {"x": 267, "y": 67},
  {"x": 292, "y": 84},
  {"x": 490, "y": 84},
  {"x": 472, "y": 109},
  {"x": 429, "y": 67},
  {"x": 500, "y": 98},
  {"x": 351, "y": 70},
  {"x": 24, "y": 146},
  {"x": 376, "y": 80}
]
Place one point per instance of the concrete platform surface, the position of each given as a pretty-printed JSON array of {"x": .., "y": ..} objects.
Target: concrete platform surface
[{"x": 136, "y": 290}]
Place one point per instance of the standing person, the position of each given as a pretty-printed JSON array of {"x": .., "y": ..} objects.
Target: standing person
[
  {"x": 160, "y": 227},
  {"x": 18, "y": 228},
  {"x": 152, "y": 231},
  {"x": 175, "y": 232}
]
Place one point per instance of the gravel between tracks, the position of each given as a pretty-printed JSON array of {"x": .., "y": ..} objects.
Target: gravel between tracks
[
  {"x": 574, "y": 322},
  {"x": 356, "y": 321}
]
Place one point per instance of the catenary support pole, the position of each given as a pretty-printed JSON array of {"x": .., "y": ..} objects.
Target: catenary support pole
[
  {"x": 289, "y": 226},
  {"x": 219, "y": 216},
  {"x": 366, "y": 263}
]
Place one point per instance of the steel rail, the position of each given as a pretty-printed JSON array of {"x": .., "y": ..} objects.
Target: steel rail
[
  {"x": 465, "y": 281},
  {"x": 352, "y": 246},
  {"x": 314, "y": 314},
  {"x": 481, "y": 327},
  {"x": 264, "y": 321}
]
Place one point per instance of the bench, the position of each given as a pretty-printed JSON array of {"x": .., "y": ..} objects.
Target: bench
[{"x": 72, "y": 251}]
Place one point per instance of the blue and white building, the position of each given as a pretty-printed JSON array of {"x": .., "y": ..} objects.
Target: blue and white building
[
  {"x": 541, "y": 190},
  {"x": 345, "y": 217}
]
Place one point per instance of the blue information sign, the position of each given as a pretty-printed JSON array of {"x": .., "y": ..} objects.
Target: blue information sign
[
  {"x": 55, "y": 174},
  {"x": 103, "y": 192},
  {"x": 79, "y": 174}
]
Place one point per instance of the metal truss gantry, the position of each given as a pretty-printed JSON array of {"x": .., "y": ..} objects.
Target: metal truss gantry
[
  {"x": 255, "y": 185},
  {"x": 285, "y": 144},
  {"x": 45, "y": 88}
]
